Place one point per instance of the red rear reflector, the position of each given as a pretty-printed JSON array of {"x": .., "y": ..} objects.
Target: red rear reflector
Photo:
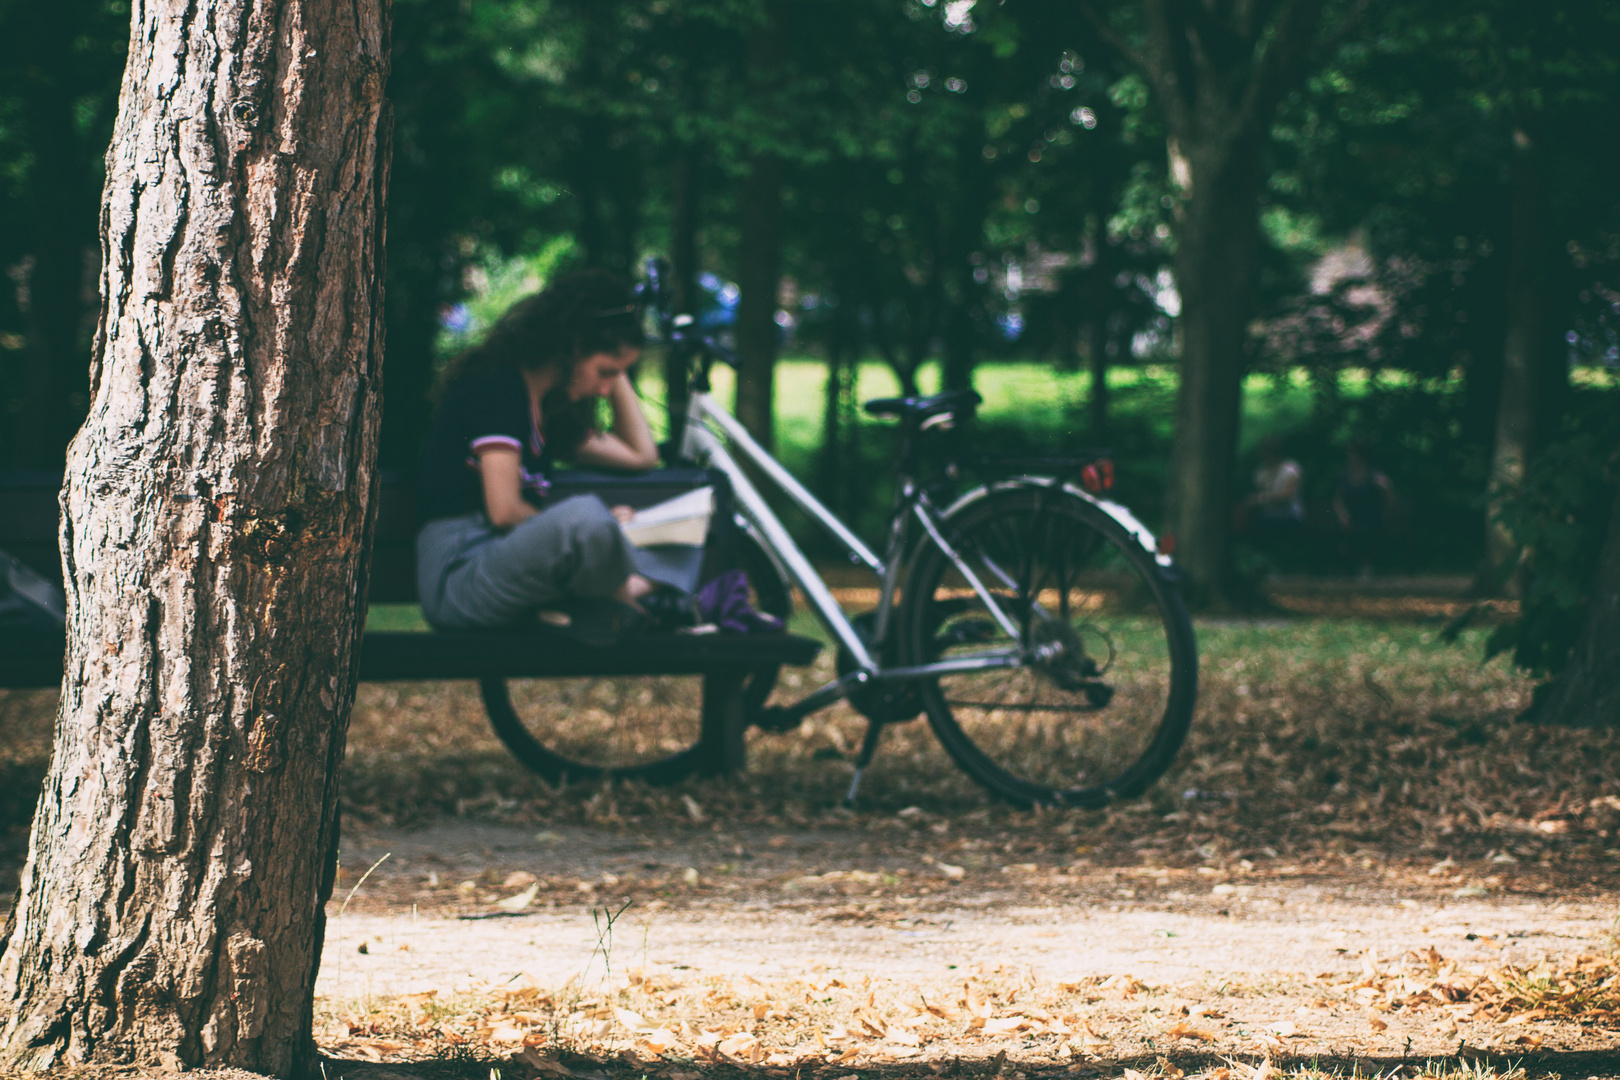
[
  {"x": 1098, "y": 477},
  {"x": 1166, "y": 544}
]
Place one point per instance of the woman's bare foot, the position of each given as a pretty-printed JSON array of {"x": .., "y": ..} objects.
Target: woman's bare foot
[{"x": 634, "y": 588}]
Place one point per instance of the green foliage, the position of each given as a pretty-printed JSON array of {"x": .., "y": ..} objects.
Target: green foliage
[
  {"x": 1558, "y": 517},
  {"x": 949, "y": 173},
  {"x": 498, "y": 283}
]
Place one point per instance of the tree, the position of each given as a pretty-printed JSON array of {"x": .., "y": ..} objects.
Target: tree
[
  {"x": 759, "y": 251},
  {"x": 218, "y": 506},
  {"x": 1587, "y": 693},
  {"x": 1218, "y": 73}
]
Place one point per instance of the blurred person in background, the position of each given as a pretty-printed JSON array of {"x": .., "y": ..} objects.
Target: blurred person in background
[
  {"x": 1274, "y": 513},
  {"x": 1363, "y": 501}
]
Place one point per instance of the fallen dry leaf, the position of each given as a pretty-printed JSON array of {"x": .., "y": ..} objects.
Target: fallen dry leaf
[
  {"x": 1187, "y": 1031},
  {"x": 742, "y": 1047},
  {"x": 1006, "y": 1025},
  {"x": 543, "y": 1063},
  {"x": 661, "y": 1041},
  {"x": 499, "y": 1030},
  {"x": 520, "y": 900},
  {"x": 376, "y": 1049},
  {"x": 1525, "y": 1017},
  {"x": 632, "y": 1021}
]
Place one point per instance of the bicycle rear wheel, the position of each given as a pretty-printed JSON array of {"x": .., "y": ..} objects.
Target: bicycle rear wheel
[
  {"x": 1103, "y": 700},
  {"x": 644, "y": 727}
]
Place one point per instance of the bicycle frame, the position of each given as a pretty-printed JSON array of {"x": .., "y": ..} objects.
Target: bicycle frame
[{"x": 700, "y": 444}]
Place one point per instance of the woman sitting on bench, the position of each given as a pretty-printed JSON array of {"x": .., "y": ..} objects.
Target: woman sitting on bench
[{"x": 493, "y": 550}]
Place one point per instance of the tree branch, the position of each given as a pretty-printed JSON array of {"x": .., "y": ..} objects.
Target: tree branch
[
  {"x": 1294, "y": 31},
  {"x": 1115, "y": 40}
]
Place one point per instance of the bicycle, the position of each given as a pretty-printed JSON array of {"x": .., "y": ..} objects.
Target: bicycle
[{"x": 1037, "y": 624}]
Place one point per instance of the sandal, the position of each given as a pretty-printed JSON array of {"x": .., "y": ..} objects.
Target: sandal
[{"x": 668, "y": 609}]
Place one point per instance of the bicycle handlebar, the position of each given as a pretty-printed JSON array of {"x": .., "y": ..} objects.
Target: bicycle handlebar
[{"x": 679, "y": 331}]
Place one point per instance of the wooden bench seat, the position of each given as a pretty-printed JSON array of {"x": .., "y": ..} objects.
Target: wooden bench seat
[
  {"x": 404, "y": 656},
  {"x": 28, "y": 520}
]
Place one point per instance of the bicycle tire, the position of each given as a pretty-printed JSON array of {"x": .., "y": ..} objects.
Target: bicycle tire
[
  {"x": 1072, "y": 729},
  {"x": 642, "y": 727}
]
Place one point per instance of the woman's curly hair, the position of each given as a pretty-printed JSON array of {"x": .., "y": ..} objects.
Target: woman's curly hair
[{"x": 580, "y": 314}]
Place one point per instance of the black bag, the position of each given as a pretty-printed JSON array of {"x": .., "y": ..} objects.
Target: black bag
[{"x": 28, "y": 603}]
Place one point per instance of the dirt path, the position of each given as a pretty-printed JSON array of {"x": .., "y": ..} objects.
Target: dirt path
[{"x": 1140, "y": 959}]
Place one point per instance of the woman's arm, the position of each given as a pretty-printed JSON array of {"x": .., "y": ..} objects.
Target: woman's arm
[
  {"x": 501, "y": 469},
  {"x": 630, "y": 444}
]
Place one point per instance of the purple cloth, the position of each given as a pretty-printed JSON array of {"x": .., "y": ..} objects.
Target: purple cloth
[{"x": 723, "y": 601}]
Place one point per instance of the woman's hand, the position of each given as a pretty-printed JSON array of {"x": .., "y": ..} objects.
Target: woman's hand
[{"x": 629, "y": 445}]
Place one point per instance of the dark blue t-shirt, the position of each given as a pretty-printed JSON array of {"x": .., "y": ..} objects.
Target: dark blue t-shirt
[{"x": 480, "y": 409}]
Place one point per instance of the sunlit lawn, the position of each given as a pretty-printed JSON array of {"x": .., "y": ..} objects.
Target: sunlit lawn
[{"x": 1038, "y": 397}]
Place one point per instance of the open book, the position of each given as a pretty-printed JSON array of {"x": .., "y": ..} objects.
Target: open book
[{"x": 681, "y": 520}]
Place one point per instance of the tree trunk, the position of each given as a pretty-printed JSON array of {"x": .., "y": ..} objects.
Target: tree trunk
[
  {"x": 586, "y": 175},
  {"x": 759, "y": 278},
  {"x": 1097, "y": 401},
  {"x": 686, "y": 197},
  {"x": 217, "y": 512},
  {"x": 1587, "y": 693},
  {"x": 1217, "y": 268},
  {"x": 413, "y": 325},
  {"x": 843, "y": 363},
  {"x": 1218, "y": 73},
  {"x": 964, "y": 234},
  {"x": 1523, "y": 349}
]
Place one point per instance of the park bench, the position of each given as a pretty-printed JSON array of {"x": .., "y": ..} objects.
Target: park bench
[{"x": 28, "y": 530}]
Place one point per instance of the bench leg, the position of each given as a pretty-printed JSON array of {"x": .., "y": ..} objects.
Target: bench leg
[{"x": 724, "y": 751}]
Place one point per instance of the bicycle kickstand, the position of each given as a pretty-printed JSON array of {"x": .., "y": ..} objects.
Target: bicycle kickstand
[{"x": 874, "y": 729}]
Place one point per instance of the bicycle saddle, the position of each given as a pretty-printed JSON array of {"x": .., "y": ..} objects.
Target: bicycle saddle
[{"x": 918, "y": 410}]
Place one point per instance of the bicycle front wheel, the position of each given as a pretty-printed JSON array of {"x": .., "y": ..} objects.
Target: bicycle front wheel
[{"x": 1102, "y": 695}]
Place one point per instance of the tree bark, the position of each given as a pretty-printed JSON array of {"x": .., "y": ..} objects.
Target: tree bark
[
  {"x": 1587, "y": 693},
  {"x": 759, "y": 278},
  {"x": 217, "y": 511},
  {"x": 686, "y": 195},
  {"x": 759, "y": 259},
  {"x": 1217, "y": 267},
  {"x": 1523, "y": 352},
  {"x": 1097, "y": 359},
  {"x": 963, "y": 235}
]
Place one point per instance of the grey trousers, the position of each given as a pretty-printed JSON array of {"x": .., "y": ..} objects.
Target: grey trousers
[{"x": 472, "y": 576}]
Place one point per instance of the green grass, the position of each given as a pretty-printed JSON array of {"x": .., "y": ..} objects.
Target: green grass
[
  {"x": 1036, "y": 396},
  {"x": 1027, "y": 405}
]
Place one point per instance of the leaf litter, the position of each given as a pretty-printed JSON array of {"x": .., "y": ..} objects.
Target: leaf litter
[{"x": 1365, "y": 748}]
